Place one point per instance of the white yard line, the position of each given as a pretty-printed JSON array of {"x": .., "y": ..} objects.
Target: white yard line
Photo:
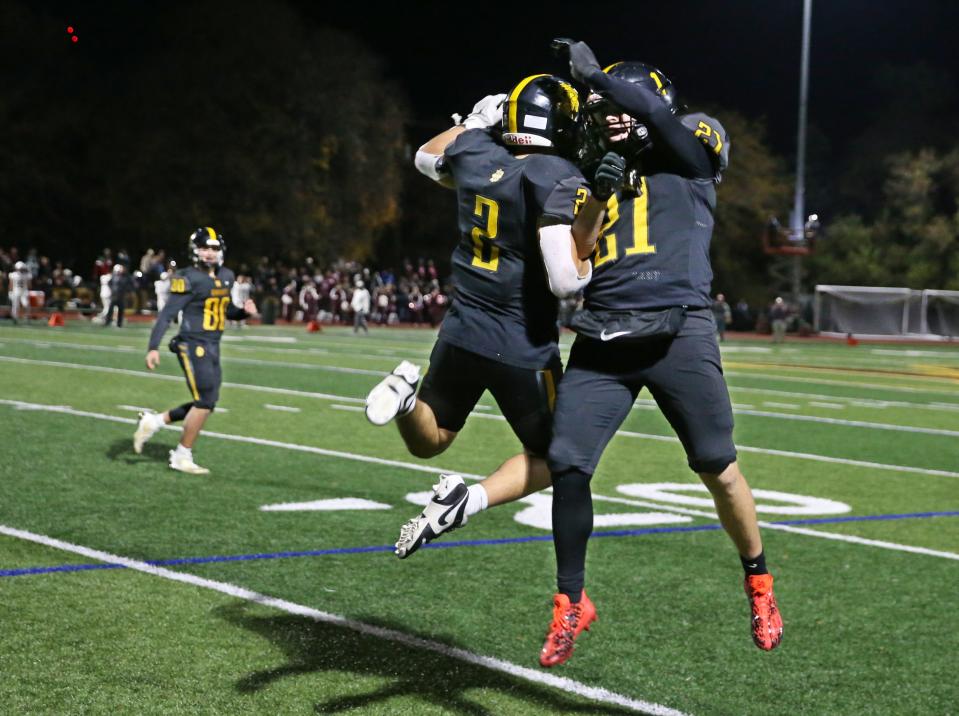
[
  {"x": 347, "y": 399},
  {"x": 282, "y": 408},
  {"x": 592, "y": 693},
  {"x": 787, "y": 406},
  {"x": 937, "y": 388},
  {"x": 67, "y": 410},
  {"x": 178, "y": 379},
  {"x": 831, "y": 406},
  {"x": 225, "y": 359}
]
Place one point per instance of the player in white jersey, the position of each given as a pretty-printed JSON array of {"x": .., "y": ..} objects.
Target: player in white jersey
[
  {"x": 162, "y": 289},
  {"x": 19, "y": 281}
]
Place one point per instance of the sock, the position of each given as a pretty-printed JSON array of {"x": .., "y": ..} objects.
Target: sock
[
  {"x": 477, "y": 501},
  {"x": 183, "y": 451},
  {"x": 572, "y": 525},
  {"x": 756, "y": 565}
]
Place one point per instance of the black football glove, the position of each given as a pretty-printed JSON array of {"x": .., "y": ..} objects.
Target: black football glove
[
  {"x": 609, "y": 177},
  {"x": 582, "y": 61}
]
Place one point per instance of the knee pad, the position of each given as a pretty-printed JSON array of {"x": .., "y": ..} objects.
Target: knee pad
[
  {"x": 711, "y": 465},
  {"x": 204, "y": 405}
]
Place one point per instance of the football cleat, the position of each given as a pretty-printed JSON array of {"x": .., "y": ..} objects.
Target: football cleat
[
  {"x": 445, "y": 511},
  {"x": 394, "y": 395},
  {"x": 569, "y": 620},
  {"x": 147, "y": 427},
  {"x": 186, "y": 464},
  {"x": 767, "y": 622}
]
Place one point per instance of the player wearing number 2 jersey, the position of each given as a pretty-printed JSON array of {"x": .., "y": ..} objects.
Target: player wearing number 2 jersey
[
  {"x": 519, "y": 202},
  {"x": 647, "y": 323},
  {"x": 202, "y": 294}
]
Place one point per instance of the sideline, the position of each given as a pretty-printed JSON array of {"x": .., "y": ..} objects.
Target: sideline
[{"x": 538, "y": 677}]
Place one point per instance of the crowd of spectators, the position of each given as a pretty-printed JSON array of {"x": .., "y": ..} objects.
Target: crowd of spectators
[
  {"x": 284, "y": 291},
  {"x": 346, "y": 292}
]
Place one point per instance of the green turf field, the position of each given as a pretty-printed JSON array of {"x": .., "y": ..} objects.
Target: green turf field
[{"x": 245, "y": 610}]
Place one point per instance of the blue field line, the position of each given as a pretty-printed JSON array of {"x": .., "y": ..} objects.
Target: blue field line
[{"x": 460, "y": 543}]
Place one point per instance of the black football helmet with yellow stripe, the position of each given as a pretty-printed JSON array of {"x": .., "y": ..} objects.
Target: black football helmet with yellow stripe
[
  {"x": 541, "y": 112},
  {"x": 206, "y": 238},
  {"x": 627, "y": 136}
]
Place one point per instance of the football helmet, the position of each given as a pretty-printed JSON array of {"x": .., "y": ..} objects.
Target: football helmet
[
  {"x": 206, "y": 238},
  {"x": 542, "y": 111},
  {"x": 627, "y": 136}
]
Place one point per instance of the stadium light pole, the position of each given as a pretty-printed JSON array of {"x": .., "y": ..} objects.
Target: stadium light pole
[{"x": 799, "y": 205}]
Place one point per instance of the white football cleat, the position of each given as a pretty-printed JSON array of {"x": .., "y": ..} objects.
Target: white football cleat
[
  {"x": 186, "y": 464},
  {"x": 445, "y": 511},
  {"x": 149, "y": 424},
  {"x": 394, "y": 395}
]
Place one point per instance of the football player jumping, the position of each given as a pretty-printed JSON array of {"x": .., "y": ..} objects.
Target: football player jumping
[
  {"x": 525, "y": 219},
  {"x": 202, "y": 292},
  {"x": 647, "y": 323}
]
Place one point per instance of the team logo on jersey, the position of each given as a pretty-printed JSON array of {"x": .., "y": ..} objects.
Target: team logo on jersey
[
  {"x": 496, "y": 176},
  {"x": 200, "y": 352}
]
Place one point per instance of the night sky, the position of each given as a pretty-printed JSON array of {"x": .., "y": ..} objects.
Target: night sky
[{"x": 736, "y": 54}]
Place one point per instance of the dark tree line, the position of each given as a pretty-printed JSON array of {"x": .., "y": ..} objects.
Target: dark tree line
[{"x": 284, "y": 136}]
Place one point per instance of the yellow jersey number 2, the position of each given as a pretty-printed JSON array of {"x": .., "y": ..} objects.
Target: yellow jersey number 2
[{"x": 485, "y": 252}]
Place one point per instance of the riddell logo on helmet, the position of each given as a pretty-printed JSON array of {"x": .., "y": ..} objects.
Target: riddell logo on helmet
[{"x": 521, "y": 139}]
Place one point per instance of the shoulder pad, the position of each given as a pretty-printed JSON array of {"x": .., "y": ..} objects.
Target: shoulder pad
[
  {"x": 180, "y": 283},
  {"x": 712, "y": 134},
  {"x": 470, "y": 139}
]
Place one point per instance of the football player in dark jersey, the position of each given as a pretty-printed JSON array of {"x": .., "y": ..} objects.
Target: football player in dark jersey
[
  {"x": 202, "y": 293},
  {"x": 647, "y": 323},
  {"x": 525, "y": 219}
]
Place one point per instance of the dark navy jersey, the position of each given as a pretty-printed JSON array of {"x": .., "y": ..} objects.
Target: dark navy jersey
[
  {"x": 503, "y": 308},
  {"x": 653, "y": 249},
  {"x": 205, "y": 302}
]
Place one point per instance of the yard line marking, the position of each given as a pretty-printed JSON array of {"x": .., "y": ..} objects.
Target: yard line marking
[
  {"x": 227, "y": 359},
  {"x": 282, "y": 408},
  {"x": 451, "y": 544},
  {"x": 335, "y": 504},
  {"x": 646, "y": 436},
  {"x": 135, "y": 409},
  {"x": 844, "y": 383},
  {"x": 851, "y": 423},
  {"x": 791, "y": 406},
  {"x": 741, "y": 406},
  {"x": 353, "y": 408},
  {"x": 862, "y": 402},
  {"x": 807, "y": 456},
  {"x": 178, "y": 379},
  {"x": 559, "y": 682},
  {"x": 435, "y": 470},
  {"x": 820, "y": 404},
  {"x": 861, "y": 540}
]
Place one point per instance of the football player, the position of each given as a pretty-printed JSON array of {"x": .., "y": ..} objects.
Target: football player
[
  {"x": 202, "y": 293},
  {"x": 525, "y": 219},
  {"x": 647, "y": 323}
]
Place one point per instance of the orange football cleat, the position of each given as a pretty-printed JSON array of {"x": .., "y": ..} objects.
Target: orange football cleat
[
  {"x": 568, "y": 621},
  {"x": 767, "y": 622}
]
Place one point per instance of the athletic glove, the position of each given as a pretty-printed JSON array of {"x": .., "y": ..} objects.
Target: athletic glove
[
  {"x": 486, "y": 113},
  {"x": 609, "y": 176},
  {"x": 582, "y": 61}
]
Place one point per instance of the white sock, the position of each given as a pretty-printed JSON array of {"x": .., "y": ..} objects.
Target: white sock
[
  {"x": 156, "y": 420},
  {"x": 183, "y": 452},
  {"x": 477, "y": 501}
]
